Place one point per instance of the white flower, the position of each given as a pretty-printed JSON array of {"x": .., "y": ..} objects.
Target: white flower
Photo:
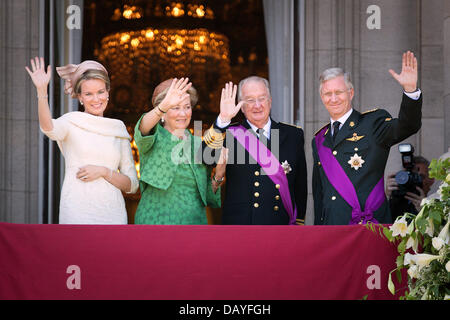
[
  {"x": 445, "y": 234},
  {"x": 447, "y": 297},
  {"x": 424, "y": 259},
  {"x": 430, "y": 228},
  {"x": 447, "y": 266},
  {"x": 412, "y": 243},
  {"x": 413, "y": 272},
  {"x": 425, "y": 201},
  {"x": 437, "y": 243},
  {"x": 407, "y": 259},
  {"x": 400, "y": 227},
  {"x": 441, "y": 189}
]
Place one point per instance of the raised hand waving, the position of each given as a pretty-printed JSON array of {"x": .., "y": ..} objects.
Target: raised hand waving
[
  {"x": 38, "y": 75},
  {"x": 228, "y": 107},
  {"x": 409, "y": 74},
  {"x": 176, "y": 94}
]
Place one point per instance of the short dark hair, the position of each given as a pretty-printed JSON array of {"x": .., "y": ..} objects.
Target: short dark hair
[{"x": 420, "y": 159}]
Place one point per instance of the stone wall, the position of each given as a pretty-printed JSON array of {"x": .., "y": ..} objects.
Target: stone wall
[
  {"x": 337, "y": 35},
  {"x": 19, "y": 38}
]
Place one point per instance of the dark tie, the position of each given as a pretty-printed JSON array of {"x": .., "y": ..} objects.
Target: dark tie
[
  {"x": 263, "y": 138},
  {"x": 336, "y": 125},
  {"x": 260, "y": 132}
]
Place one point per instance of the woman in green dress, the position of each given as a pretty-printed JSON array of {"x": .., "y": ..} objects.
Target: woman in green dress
[{"x": 175, "y": 188}]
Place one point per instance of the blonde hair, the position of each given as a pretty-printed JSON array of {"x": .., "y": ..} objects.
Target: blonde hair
[{"x": 91, "y": 75}]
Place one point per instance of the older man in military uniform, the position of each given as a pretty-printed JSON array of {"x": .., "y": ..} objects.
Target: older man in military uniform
[
  {"x": 266, "y": 180},
  {"x": 351, "y": 151}
]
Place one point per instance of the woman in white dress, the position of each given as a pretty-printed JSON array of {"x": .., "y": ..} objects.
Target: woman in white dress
[{"x": 98, "y": 160}]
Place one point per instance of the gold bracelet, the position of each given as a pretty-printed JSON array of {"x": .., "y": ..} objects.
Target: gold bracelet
[{"x": 158, "y": 114}]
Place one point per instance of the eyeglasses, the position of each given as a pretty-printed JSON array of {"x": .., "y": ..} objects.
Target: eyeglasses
[
  {"x": 329, "y": 94},
  {"x": 253, "y": 101}
]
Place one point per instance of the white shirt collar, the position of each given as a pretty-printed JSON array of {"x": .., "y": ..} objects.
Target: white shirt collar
[
  {"x": 266, "y": 128},
  {"x": 341, "y": 119}
]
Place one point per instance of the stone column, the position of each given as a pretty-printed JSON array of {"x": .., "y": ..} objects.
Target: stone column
[
  {"x": 19, "y": 129},
  {"x": 432, "y": 137},
  {"x": 446, "y": 64}
]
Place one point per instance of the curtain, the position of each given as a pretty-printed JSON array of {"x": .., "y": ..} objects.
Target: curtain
[
  {"x": 279, "y": 23},
  {"x": 60, "y": 43}
]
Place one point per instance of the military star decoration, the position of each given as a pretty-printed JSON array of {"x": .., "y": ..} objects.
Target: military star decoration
[
  {"x": 356, "y": 161},
  {"x": 286, "y": 167}
]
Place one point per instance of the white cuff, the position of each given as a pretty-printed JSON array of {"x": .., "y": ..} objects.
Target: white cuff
[
  {"x": 414, "y": 95},
  {"x": 222, "y": 124}
]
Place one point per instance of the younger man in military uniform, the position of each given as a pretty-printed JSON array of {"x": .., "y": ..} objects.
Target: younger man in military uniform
[{"x": 350, "y": 152}]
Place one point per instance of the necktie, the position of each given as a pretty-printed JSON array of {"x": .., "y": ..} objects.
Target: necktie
[
  {"x": 260, "y": 132},
  {"x": 336, "y": 125},
  {"x": 262, "y": 137}
]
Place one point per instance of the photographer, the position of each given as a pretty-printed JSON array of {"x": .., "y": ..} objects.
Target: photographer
[{"x": 408, "y": 199}]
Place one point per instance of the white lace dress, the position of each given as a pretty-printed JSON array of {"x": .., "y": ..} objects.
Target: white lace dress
[{"x": 85, "y": 139}]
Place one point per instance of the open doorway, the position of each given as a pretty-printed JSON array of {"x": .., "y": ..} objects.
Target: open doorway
[{"x": 144, "y": 42}]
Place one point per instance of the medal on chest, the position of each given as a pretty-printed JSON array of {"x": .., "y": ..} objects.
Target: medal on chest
[
  {"x": 286, "y": 167},
  {"x": 356, "y": 162}
]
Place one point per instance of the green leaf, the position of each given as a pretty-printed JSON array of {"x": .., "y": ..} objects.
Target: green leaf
[
  {"x": 422, "y": 225},
  {"x": 398, "y": 273},
  {"x": 436, "y": 216},
  {"x": 400, "y": 260},
  {"x": 402, "y": 246},
  {"x": 388, "y": 234},
  {"x": 391, "y": 285}
]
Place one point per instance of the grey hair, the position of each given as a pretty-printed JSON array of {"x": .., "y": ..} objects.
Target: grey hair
[
  {"x": 253, "y": 79},
  {"x": 332, "y": 73}
]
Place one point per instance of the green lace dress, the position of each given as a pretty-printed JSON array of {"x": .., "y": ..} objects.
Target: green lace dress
[{"x": 175, "y": 189}]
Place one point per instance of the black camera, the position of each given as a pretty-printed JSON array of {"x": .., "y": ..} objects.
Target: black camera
[{"x": 407, "y": 180}]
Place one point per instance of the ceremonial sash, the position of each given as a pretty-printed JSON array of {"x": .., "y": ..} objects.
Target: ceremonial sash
[
  {"x": 341, "y": 182},
  {"x": 269, "y": 163}
]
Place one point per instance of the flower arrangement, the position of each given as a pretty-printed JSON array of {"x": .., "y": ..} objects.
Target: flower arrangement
[{"x": 423, "y": 242}]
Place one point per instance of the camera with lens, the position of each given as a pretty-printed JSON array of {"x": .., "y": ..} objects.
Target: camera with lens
[{"x": 407, "y": 180}]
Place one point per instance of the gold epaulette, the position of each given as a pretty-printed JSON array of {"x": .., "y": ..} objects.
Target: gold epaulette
[
  {"x": 213, "y": 138},
  {"x": 321, "y": 129},
  {"x": 292, "y": 125},
  {"x": 369, "y": 111},
  {"x": 300, "y": 222}
]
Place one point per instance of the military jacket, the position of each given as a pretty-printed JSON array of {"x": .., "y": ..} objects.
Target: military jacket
[
  {"x": 366, "y": 138},
  {"x": 251, "y": 197}
]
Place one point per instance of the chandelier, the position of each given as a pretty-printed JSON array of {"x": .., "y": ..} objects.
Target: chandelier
[
  {"x": 159, "y": 40},
  {"x": 140, "y": 58}
]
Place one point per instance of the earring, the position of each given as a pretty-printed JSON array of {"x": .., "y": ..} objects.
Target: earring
[
  {"x": 81, "y": 102},
  {"x": 162, "y": 120}
]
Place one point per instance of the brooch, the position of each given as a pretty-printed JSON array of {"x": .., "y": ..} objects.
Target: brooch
[
  {"x": 355, "y": 137},
  {"x": 286, "y": 167},
  {"x": 356, "y": 161}
]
